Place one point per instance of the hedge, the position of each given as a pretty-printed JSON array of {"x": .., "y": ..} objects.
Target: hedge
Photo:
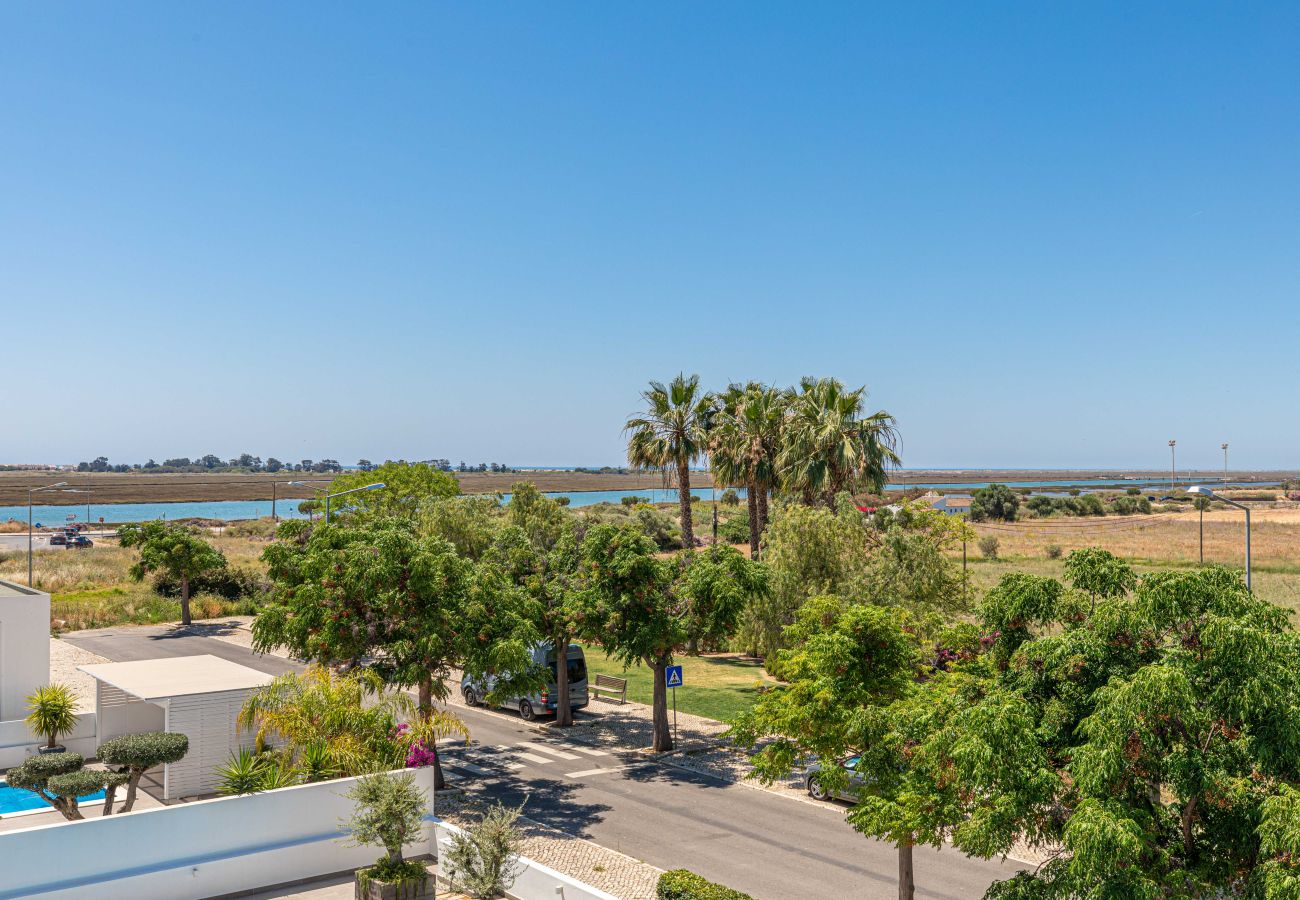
[{"x": 683, "y": 884}]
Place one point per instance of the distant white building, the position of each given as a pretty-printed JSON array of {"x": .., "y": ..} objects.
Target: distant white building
[{"x": 952, "y": 505}]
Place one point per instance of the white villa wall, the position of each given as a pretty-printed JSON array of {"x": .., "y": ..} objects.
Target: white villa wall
[
  {"x": 17, "y": 742},
  {"x": 214, "y": 847},
  {"x": 24, "y": 646},
  {"x": 120, "y": 713}
]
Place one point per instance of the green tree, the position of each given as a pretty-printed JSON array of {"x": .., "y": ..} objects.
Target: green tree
[
  {"x": 407, "y": 488},
  {"x": 831, "y": 444},
  {"x": 469, "y": 523},
  {"x": 174, "y": 551},
  {"x": 715, "y": 588},
  {"x": 670, "y": 435},
  {"x": 52, "y": 712},
  {"x": 60, "y": 779},
  {"x": 1099, "y": 573},
  {"x": 997, "y": 501},
  {"x": 628, "y": 608},
  {"x": 1173, "y": 719},
  {"x": 744, "y": 441},
  {"x": 134, "y": 754},
  {"x": 376, "y": 589},
  {"x": 389, "y": 813}
]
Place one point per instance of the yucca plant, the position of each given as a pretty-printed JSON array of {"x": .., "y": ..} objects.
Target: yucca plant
[
  {"x": 242, "y": 773},
  {"x": 52, "y": 712}
]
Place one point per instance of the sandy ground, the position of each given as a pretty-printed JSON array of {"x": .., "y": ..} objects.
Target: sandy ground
[{"x": 64, "y": 659}]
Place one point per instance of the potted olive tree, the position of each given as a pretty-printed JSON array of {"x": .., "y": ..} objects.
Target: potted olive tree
[
  {"x": 389, "y": 813},
  {"x": 51, "y": 713}
]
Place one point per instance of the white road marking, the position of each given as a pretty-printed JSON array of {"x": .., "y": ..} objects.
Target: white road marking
[
  {"x": 470, "y": 767},
  {"x": 586, "y": 772},
  {"x": 533, "y": 757},
  {"x": 587, "y": 751},
  {"x": 533, "y": 745}
]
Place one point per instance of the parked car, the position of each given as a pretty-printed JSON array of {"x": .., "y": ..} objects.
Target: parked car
[
  {"x": 849, "y": 791},
  {"x": 58, "y": 539},
  {"x": 80, "y": 542},
  {"x": 544, "y": 701}
]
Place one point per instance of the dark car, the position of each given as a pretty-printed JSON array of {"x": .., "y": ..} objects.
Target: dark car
[
  {"x": 58, "y": 540},
  {"x": 80, "y": 542}
]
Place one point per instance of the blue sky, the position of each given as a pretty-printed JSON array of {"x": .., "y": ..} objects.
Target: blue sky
[{"x": 1042, "y": 234}]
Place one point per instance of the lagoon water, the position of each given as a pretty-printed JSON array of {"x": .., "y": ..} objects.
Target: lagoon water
[{"x": 288, "y": 509}]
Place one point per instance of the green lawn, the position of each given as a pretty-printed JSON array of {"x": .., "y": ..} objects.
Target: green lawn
[{"x": 716, "y": 687}]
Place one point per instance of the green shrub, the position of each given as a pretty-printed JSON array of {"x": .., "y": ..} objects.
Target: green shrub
[
  {"x": 1053, "y": 551},
  {"x": 483, "y": 860},
  {"x": 227, "y": 582},
  {"x": 1133, "y": 491},
  {"x": 989, "y": 546},
  {"x": 633, "y": 500},
  {"x": 735, "y": 530},
  {"x": 729, "y": 497},
  {"x": 683, "y": 884},
  {"x": 135, "y": 754}
]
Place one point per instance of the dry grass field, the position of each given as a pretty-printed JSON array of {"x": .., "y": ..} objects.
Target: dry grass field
[{"x": 1154, "y": 542}]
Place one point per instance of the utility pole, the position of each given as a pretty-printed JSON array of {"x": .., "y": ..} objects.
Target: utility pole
[
  {"x": 1225, "y": 462},
  {"x": 1173, "y": 467}
]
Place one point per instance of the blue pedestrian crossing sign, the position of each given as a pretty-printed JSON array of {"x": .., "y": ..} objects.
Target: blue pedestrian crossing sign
[{"x": 673, "y": 676}]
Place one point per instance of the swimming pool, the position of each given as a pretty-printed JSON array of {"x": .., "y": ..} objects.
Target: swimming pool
[{"x": 17, "y": 800}]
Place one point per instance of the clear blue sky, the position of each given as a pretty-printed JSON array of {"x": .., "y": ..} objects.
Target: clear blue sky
[{"x": 1042, "y": 235}]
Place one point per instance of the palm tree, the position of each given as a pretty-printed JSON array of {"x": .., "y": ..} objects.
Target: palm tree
[
  {"x": 671, "y": 434},
  {"x": 744, "y": 444},
  {"x": 831, "y": 446}
]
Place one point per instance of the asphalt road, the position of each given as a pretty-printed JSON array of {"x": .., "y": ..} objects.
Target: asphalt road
[{"x": 767, "y": 845}]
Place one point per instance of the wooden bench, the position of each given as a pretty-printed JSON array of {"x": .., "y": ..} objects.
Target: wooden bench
[{"x": 614, "y": 687}]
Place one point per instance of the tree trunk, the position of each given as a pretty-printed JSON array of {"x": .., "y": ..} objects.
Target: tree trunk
[
  {"x": 394, "y": 854},
  {"x": 751, "y": 495},
  {"x": 684, "y": 501},
  {"x": 110, "y": 794},
  {"x": 762, "y": 510},
  {"x": 185, "y": 600},
  {"x": 563, "y": 703},
  {"x": 906, "y": 877},
  {"x": 132, "y": 783},
  {"x": 1189, "y": 810},
  {"x": 663, "y": 735},
  {"x": 424, "y": 707}
]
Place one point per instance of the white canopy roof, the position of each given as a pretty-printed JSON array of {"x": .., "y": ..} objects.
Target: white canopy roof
[{"x": 177, "y": 676}]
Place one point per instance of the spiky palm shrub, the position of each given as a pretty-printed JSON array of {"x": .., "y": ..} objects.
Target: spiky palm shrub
[{"x": 52, "y": 711}]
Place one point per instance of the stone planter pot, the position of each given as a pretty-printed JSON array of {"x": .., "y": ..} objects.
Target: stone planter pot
[
  {"x": 44, "y": 751},
  {"x": 374, "y": 889}
]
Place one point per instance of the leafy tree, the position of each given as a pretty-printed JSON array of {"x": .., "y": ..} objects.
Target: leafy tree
[
  {"x": 543, "y": 520},
  {"x": 715, "y": 588},
  {"x": 910, "y": 563},
  {"x": 997, "y": 501},
  {"x": 832, "y": 444},
  {"x": 273, "y": 464},
  {"x": 628, "y": 609},
  {"x": 1099, "y": 573},
  {"x": 134, "y": 754},
  {"x": 1173, "y": 719},
  {"x": 484, "y": 858},
  {"x": 670, "y": 435},
  {"x": 375, "y": 589},
  {"x": 470, "y": 523},
  {"x": 174, "y": 551},
  {"x": 407, "y": 488}
]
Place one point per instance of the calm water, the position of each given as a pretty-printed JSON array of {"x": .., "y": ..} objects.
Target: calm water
[
  {"x": 288, "y": 509},
  {"x": 14, "y": 799}
]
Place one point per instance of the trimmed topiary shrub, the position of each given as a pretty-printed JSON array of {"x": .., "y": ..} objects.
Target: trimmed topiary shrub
[
  {"x": 683, "y": 884},
  {"x": 60, "y": 778},
  {"x": 133, "y": 754}
]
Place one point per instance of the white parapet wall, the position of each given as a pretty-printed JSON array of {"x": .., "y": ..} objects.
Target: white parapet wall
[
  {"x": 17, "y": 741},
  {"x": 24, "y": 646},
  {"x": 223, "y": 846}
]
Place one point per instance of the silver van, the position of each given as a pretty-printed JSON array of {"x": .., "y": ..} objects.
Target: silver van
[{"x": 544, "y": 701}]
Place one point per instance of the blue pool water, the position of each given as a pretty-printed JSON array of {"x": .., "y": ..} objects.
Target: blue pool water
[{"x": 14, "y": 800}]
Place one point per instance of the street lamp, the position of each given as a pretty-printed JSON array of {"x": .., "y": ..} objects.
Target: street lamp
[
  {"x": 1204, "y": 491},
  {"x": 30, "y": 491},
  {"x": 328, "y": 496},
  {"x": 1224, "y": 448},
  {"x": 274, "y": 517},
  {"x": 1173, "y": 467}
]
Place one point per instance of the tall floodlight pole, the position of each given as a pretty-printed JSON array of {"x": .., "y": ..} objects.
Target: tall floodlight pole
[
  {"x": 1173, "y": 467},
  {"x": 1224, "y": 447},
  {"x": 1203, "y": 491},
  {"x": 30, "y": 491}
]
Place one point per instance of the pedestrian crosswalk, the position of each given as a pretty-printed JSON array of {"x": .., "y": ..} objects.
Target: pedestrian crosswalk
[{"x": 487, "y": 761}]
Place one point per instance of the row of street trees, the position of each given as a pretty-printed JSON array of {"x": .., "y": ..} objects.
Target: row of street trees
[
  {"x": 808, "y": 443},
  {"x": 415, "y": 582}
]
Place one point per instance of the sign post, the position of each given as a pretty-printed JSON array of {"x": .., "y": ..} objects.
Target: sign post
[{"x": 673, "y": 679}]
